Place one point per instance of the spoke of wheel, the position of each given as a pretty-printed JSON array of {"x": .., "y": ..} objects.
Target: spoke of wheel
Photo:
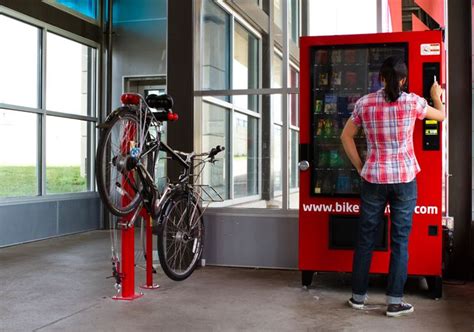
[
  {"x": 176, "y": 247},
  {"x": 175, "y": 253},
  {"x": 172, "y": 243},
  {"x": 173, "y": 266},
  {"x": 181, "y": 257}
]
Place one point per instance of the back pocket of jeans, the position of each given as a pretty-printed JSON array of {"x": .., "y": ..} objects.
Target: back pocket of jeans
[{"x": 407, "y": 191}]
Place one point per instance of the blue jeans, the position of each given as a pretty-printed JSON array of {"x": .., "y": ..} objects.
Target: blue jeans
[{"x": 374, "y": 197}]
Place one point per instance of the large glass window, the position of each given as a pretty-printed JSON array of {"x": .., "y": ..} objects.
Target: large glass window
[
  {"x": 67, "y": 58},
  {"x": 293, "y": 98},
  {"x": 294, "y": 22},
  {"x": 215, "y": 47},
  {"x": 66, "y": 155},
  {"x": 215, "y": 131},
  {"x": 277, "y": 161},
  {"x": 19, "y": 63},
  {"x": 88, "y": 9},
  {"x": 245, "y": 155},
  {"x": 65, "y": 114},
  {"x": 262, "y": 137},
  {"x": 245, "y": 67},
  {"x": 18, "y": 154},
  {"x": 294, "y": 170},
  {"x": 277, "y": 82},
  {"x": 278, "y": 13}
]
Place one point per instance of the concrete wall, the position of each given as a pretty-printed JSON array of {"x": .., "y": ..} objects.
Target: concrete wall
[
  {"x": 46, "y": 217},
  {"x": 139, "y": 42}
]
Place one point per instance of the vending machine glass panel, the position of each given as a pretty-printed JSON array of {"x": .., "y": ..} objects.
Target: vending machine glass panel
[{"x": 340, "y": 75}]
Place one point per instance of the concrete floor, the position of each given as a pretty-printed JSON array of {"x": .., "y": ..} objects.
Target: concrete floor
[{"x": 60, "y": 285}]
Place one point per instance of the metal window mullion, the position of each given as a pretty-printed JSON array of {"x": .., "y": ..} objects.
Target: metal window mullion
[
  {"x": 231, "y": 154},
  {"x": 247, "y": 112},
  {"x": 231, "y": 56},
  {"x": 231, "y": 111},
  {"x": 90, "y": 112},
  {"x": 38, "y": 116},
  {"x": 285, "y": 129},
  {"x": 43, "y": 114},
  {"x": 259, "y": 156},
  {"x": 260, "y": 111}
]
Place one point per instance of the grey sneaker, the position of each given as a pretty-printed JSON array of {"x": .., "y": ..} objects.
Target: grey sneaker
[
  {"x": 395, "y": 310},
  {"x": 355, "y": 304}
]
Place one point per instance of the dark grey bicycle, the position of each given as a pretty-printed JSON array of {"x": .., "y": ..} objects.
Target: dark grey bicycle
[{"x": 128, "y": 150}]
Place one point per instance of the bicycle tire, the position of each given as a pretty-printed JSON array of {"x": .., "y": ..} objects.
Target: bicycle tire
[
  {"x": 175, "y": 238},
  {"x": 118, "y": 187}
]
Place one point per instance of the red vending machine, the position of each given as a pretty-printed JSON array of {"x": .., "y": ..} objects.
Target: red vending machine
[{"x": 335, "y": 72}]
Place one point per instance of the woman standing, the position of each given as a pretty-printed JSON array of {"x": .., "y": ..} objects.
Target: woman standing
[{"x": 388, "y": 176}]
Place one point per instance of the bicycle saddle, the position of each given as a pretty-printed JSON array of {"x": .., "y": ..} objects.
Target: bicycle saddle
[{"x": 159, "y": 102}]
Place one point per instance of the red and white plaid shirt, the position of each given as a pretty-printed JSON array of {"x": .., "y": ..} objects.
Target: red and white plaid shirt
[{"x": 388, "y": 129}]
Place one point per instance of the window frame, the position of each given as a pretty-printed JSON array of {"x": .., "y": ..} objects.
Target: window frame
[
  {"x": 92, "y": 120},
  {"x": 76, "y": 13},
  {"x": 215, "y": 96}
]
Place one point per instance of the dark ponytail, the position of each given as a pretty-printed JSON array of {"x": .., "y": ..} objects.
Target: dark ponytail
[{"x": 393, "y": 70}]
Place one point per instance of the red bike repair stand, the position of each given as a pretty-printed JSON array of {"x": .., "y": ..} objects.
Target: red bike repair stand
[
  {"x": 149, "y": 254},
  {"x": 127, "y": 267}
]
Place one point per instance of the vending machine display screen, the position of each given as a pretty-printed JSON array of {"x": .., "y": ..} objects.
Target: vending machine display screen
[{"x": 340, "y": 75}]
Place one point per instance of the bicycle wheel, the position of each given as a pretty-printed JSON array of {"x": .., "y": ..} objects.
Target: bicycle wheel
[
  {"x": 117, "y": 182},
  {"x": 180, "y": 236}
]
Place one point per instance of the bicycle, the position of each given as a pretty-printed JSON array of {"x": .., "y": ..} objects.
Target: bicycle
[{"x": 127, "y": 152}]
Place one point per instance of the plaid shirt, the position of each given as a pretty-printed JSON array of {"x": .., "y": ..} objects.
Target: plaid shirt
[{"x": 388, "y": 129}]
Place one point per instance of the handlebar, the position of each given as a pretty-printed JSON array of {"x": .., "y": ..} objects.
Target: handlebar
[
  {"x": 211, "y": 154},
  {"x": 215, "y": 151}
]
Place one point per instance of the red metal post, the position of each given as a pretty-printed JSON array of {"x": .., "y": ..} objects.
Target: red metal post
[
  {"x": 127, "y": 266},
  {"x": 149, "y": 255}
]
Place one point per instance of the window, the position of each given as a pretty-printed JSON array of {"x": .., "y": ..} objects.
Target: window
[
  {"x": 245, "y": 67},
  {"x": 277, "y": 161},
  {"x": 215, "y": 47},
  {"x": 245, "y": 155},
  {"x": 294, "y": 123},
  {"x": 277, "y": 82},
  {"x": 18, "y": 154},
  {"x": 294, "y": 170},
  {"x": 231, "y": 121},
  {"x": 293, "y": 98},
  {"x": 62, "y": 161},
  {"x": 278, "y": 13},
  {"x": 215, "y": 131},
  {"x": 66, "y": 155},
  {"x": 88, "y": 9},
  {"x": 19, "y": 63},
  {"x": 259, "y": 169},
  {"x": 67, "y": 58},
  {"x": 293, "y": 17}
]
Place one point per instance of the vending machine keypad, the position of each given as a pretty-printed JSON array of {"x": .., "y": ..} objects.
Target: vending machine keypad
[{"x": 431, "y": 134}]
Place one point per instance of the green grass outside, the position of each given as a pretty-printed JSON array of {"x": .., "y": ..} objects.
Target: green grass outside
[{"x": 18, "y": 181}]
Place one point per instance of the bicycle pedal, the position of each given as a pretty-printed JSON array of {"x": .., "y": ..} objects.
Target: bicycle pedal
[{"x": 122, "y": 225}]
